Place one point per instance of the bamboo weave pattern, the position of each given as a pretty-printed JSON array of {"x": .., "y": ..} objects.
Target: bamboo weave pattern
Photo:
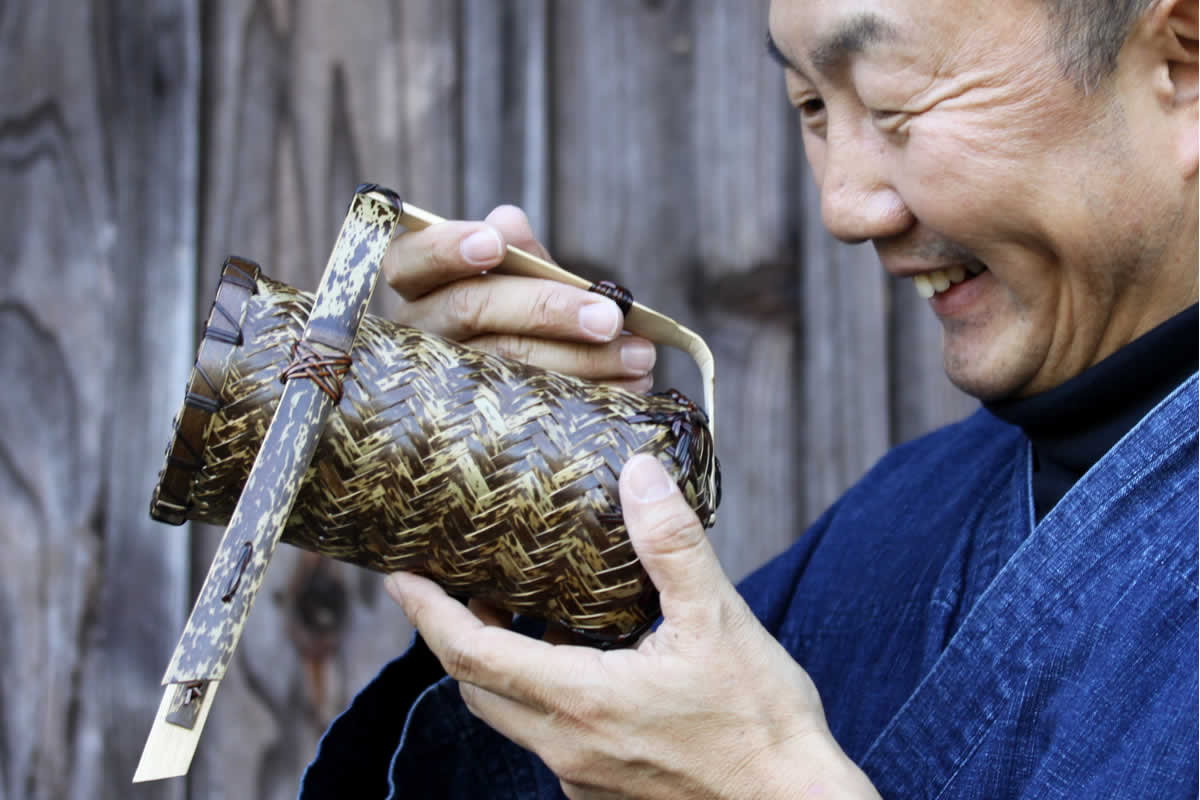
[{"x": 496, "y": 479}]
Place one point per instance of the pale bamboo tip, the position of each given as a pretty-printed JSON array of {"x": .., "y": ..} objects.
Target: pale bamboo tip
[{"x": 170, "y": 748}]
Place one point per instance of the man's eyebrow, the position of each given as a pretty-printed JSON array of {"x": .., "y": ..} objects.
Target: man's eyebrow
[
  {"x": 832, "y": 51},
  {"x": 850, "y": 38}
]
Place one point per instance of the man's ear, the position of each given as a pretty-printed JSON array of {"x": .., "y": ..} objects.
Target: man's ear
[
  {"x": 1173, "y": 27},
  {"x": 1182, "y": 36}
]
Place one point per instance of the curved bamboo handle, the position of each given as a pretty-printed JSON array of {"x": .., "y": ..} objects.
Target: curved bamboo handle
[{"x": 641, "y": 320}]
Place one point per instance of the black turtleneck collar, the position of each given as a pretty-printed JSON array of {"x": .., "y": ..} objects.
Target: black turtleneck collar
[{"x": 1074, "y": 424}]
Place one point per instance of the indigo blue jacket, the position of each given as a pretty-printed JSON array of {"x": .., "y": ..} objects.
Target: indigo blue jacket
[{"x": 960, "y": 650}]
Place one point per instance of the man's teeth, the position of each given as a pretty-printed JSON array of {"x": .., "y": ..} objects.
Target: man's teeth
[{"x": 930, "y": 283}]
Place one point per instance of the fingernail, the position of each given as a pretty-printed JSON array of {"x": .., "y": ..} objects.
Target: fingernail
[
  {"x": 600, "y": 319},
  {"x": 638, "y": 356},
  {"x": 648, "y": 481},
  {"x": 482, "y": 247}
]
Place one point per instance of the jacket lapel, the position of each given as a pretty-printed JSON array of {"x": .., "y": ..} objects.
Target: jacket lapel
[{"x": 1068, "y": 571}]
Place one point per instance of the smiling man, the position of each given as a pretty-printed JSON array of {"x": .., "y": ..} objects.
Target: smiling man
[
  {"x": 1005, "y": 608},
  {"x": 997, "y": 149}
]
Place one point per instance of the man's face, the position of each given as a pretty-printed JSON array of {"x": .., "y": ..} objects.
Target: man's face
[{"x": 945, "y": 132}]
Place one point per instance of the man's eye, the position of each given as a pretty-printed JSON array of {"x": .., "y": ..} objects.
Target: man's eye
[{"x": 811, "y": 107}]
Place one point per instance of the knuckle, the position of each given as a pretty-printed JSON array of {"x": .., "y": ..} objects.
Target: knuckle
[
  {"x": 676, "y": 523},
  {"x": 677, "y": 529},
  {"x": 416, "y": 611},
  {"x": 578, "y": 710},
  {"x": 549, "y": 309},
  {"x": 460, "y": 661},
  {"x": 442, "y": 259},
  {"x": 467, "y": 305},
  {"x": 590, "y": 360},
  {"x": 516, "y": 348}
]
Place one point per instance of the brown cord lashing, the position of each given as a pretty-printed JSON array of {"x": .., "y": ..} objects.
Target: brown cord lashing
[
  {"x": 233, "y": 337},
  {"x": 201, "y": 402},
  {"x": 193, "y": 691},
  {"x": 197, "y": 458},
  {"x": 246, "y": 272},
  {"x": 325, "y": 371},
  {"x": 618, "y": 294},
  {"x": 236, "y": 579}
]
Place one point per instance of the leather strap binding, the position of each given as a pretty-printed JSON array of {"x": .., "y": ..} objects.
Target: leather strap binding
[{"x": 222, "y": 334}]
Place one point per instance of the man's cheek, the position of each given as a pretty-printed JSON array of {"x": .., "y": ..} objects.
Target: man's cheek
[{"x": 952, "y": 195}]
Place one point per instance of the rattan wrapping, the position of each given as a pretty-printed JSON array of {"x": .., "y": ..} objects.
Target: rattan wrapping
[{"x": 494, "y": 478}]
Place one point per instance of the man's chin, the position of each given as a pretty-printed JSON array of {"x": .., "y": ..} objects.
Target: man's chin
[{"x": 984, "y": 375}]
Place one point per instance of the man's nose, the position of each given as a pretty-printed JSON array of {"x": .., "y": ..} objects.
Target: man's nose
[{"x": 858, "y": 199}]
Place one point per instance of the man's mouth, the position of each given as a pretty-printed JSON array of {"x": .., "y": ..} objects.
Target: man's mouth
[{"x": 937, "y": 281}]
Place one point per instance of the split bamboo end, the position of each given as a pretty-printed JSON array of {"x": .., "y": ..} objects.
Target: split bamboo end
[{"x": 169, "y": 747}]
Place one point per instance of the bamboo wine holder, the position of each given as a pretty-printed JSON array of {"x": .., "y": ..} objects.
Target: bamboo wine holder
[
  {"x": 497, "y": 479},
  {"x": 307, "y": 421}
]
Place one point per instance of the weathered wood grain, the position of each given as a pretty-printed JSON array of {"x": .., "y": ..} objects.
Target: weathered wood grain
[
  {"x": 98, "y": 138},
  {"x": 505, "y": 108},
  {"x": 845, "y": 361}
]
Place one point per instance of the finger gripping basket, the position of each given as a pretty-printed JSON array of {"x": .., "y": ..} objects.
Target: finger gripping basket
[{"x": 496, "y": 479}]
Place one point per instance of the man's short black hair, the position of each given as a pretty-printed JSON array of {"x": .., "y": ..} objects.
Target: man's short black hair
[{"x": 1089, "y": 35}]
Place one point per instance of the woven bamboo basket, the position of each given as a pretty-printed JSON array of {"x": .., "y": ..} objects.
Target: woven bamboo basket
[{"x": 496, "y": 479}]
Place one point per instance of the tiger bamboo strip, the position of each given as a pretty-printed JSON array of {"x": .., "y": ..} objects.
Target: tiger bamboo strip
[
  {"x": 641, "y": 319},
  {"x": 208, "y": 641}
]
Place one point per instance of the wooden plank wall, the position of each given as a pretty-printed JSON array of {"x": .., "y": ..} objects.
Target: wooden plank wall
[{"x": 142, "y": 142}]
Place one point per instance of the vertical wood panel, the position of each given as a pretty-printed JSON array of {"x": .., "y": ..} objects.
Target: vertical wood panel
[
  {"x": 505, "y": 108},
  {"x": 747, "y": 208},
  {"x": 97, "y": 156},
  {"x": 845, "y": 361}
]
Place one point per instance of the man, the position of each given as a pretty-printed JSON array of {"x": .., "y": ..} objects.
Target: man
[{"x": 1005, "y": 608}]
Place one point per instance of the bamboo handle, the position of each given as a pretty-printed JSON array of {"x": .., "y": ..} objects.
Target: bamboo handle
[{"x": 218, "y": 618}]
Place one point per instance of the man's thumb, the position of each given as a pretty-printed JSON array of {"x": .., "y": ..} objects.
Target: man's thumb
[{"x": 668, "y": 538}]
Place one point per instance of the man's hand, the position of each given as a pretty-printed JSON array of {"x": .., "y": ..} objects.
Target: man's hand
[
  {"x": 439, "y": 271},
  {"x": 708, "y": 705}
]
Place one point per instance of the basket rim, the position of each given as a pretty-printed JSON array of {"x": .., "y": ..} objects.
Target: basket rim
[{"x": 222, "y": 334}]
